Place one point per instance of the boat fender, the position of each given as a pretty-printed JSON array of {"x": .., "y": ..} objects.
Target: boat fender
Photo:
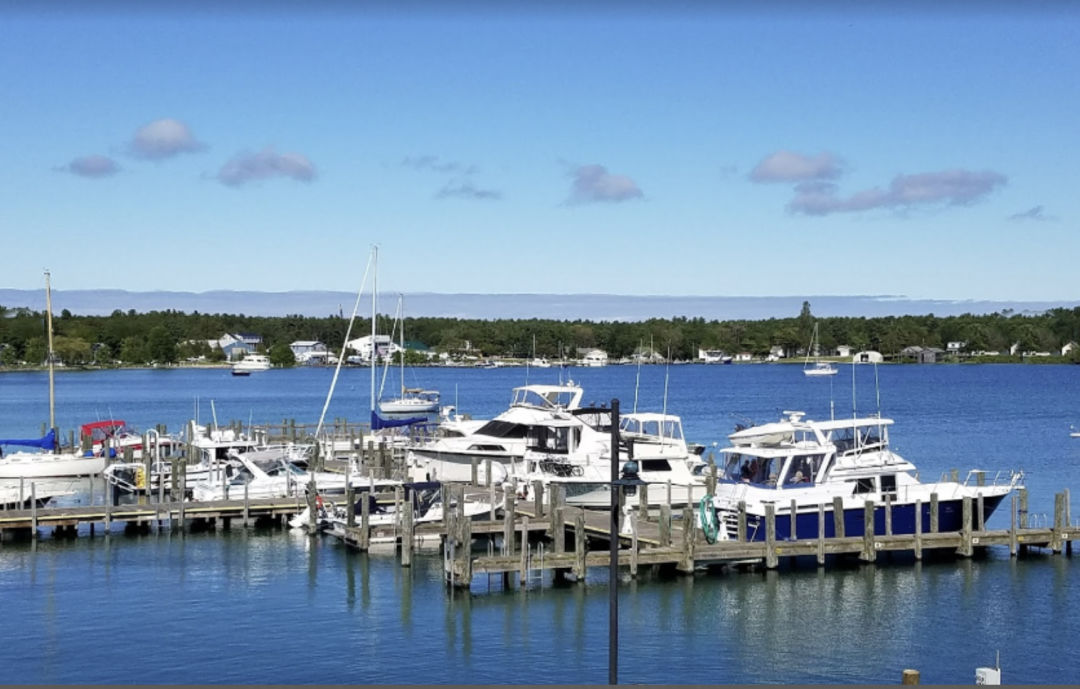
[{"x": 710, "y": 525}]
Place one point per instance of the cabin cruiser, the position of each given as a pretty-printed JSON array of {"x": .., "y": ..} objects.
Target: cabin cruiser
[
  {"x": 577, "y": 454},
  {"x": 808, "y": 464},
  {"x": 120, "y": 436},
  {"x": 502, "y": 439},
  {"x": 251, "y": 362},
  {"x": 268, "y": 472}
]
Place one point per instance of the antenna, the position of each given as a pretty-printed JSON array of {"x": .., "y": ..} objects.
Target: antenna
[{"x": 637, "y": 380}]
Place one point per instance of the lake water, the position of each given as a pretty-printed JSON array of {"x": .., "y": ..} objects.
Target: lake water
[{"x": 267, "y": 606}]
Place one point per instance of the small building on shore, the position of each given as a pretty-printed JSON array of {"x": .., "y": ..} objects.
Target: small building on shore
[{"x": 868, "y": 356}]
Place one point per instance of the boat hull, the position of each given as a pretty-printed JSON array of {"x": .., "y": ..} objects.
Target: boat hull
[
  {"x": 950, "y": 518},
  {"x": 20, "y": 465}
]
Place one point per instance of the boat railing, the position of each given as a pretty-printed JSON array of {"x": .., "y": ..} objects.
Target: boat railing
[{"x": 1002, "y": 477}]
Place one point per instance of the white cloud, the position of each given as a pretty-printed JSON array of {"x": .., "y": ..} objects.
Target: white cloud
[
  {"x": 467, "y": 190},
  {"x": 593, "y": 183},
  {"x": 788, "y": 166},
  {"x": 246, "y": 167},
  {"x": 950, "y": 187},
  {"x": 92, "y": 166},
  {"x": 164, "y": 138}
]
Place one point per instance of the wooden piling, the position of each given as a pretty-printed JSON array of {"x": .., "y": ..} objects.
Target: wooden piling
[
  {"x": 474, "y": 476},
  {"x": 524, "y": 576},
  {"x": 910, "y": 677},
  {"x": 1013, "y": 540},
  {"x": 579, "y": 546},
  {"x": 741, "y": 534},
  {"x": 966, "y": 548},
  {"x": 538, "y": 499},
  {"x": 247, "y": 506},
  {"x": 918, "y": 529},
  {"x": 33, "y": 510},
  {"x": 935, "y": 513},
  {"x": 686, "y": 562},
  {"x": 869, "y": 553},
  {"x": 350, "y": 506},
  {"x": 665, "y": 526},
  {"x": 771, "y": 560},
  {"x": 821, "y": 534},
  {"x": 1023, "y": 514},
  {"x": 888, "y": 515},
  {"x": 488, "y": 480},
  {"x": 509, "y": 515},
  {"x": 407, "y": 533},
  {"x": 838, "y": 516},
  {"x": 1059, "y": 521},
  {"x": 365, "y": 523},
  {"x": 643, "y": 502}
]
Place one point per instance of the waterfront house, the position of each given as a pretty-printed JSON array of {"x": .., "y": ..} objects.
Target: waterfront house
[
  {"x": 843, "y": 351},
  {"x": 309, "y": 352},
  {"x": 777, "y": 351},
  {"x": 955, "y": 347},
  {"x": 1068, "y": 348},
  {"x": 744, "y": 357},
  {"x": 384, "y": 347},
  {"x": 236, "y": 345}
]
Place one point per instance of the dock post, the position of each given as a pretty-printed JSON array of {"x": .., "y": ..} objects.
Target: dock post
[
  {"x": 1059, "y": 521},
  {"x": 247, "y": 507},
  {"x": 686, "y": 563},
  {"x": 935, "y": 515},
  {"x": 148, "y": 467},
  {"x": 966, "y": 547},
  {"x": 980, "y": 513},
  {"x": 1013, "y": 549},
  {"x": 464, "y": 551},
  {"x": 183, "y": 492},
  {"x": 1068, "y": 521},
  {"x": 669, "y": 491},
  {"x": 491, "y": 500},
  {"x": 407, "y": 531},
  {"x": 868, "y": 554},
  {"x": 821, "y": 534},
  {"x": 107, "y": 498},
  {"x": 579, "y": 546},
  {"x": 22, "y": 491},
  {"x": 838, "y": 516},
  {"x": 310, "y": 498},
  {"x": 918, "y": 529},
  {"x": 643, "y": 502},
  {"x": 794, "y": 535},
  {"x": 1023, "y": 514},
  {"x": 558, "y": 529},
  {"x": 524, "y": 576},
  {"x": 633, "y": 545},
  {"x": 474, "y": 476},
  {"x": 665, "y": 526},
  {"x": 365, "y": 523},
  {"x": 488, "y": 480},
  {"x": 538, "y": 499},
  {"x": 771, "y": 560},
  {"x": 33, "y": 511},
  {"x": 888, "y": 515},
  {"x": 509, "y": 515},
  {"x": 742, "y": 522},
  {"x": 910, "y": 677},
  {"x": 350, "y": 506}
]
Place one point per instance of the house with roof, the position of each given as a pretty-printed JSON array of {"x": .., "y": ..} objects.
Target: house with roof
[
  {"x": 236, "y": 345},
  {"x": 383, "y": 348},
  {"x": 309, "y": 352},
  {"x": 1068, "y": 348}
]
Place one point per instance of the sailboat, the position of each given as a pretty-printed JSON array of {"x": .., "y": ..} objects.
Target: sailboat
[
  {"x": 412, "y": 400},
  {"x": 49, "y": 463},
  {"x": 538, "y": 362},
  {"x": 820, "y": 368}
]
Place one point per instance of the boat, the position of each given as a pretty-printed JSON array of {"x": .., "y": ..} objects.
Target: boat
[
  {"x": 251, "y": 362},
  {"x": 501, "y": 439},
  {"x": 50, "y": 462},
  {"x": 538, "y": 361},
  {"x": 805, "y": 465},
  {"x": 820, "y": 368},
  {"x": 412, "y": 400},
  {"x": 1073, "y": 433},
  {"x": 121, "y": 437},
  {"x": 575, "y": 451}
]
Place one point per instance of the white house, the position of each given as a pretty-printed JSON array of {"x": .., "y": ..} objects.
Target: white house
[
  {"x": 743, "y": 357},
  {"x": 843, "y": 350},
  {"x": 955, "y": 347},
  {"x": 868, "y": 356},
  {"x": 1069, "y": 347},
  {"x": 1014, "y": 349},
  {"x": 595, "y": 357},
  {"x": 236, "y": 344},
  {"x": 384, "y": 348},
  {"x": 777, "y": 351},
  {"x": 309, "y": 351}
]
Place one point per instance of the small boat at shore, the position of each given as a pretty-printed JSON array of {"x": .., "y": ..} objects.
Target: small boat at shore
[{"x": 801, "y": 467}]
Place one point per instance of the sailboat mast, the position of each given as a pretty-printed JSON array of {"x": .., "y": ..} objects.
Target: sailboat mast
[
  {"x": 401, "y": 315},
  {"x": 374, "y": 289},
  {"x": 48, "y": 327}
]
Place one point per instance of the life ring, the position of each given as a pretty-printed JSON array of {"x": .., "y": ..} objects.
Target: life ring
[{"x": 710, "y": 524}]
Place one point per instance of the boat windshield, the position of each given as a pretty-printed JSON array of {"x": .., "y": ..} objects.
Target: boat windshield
[
  {"x": 857, "y": 438},
  {"x": 543, "y": 399},
  {"x": 670, "y": 429},
  {"x": 558, "y": 439},
  {"x": 746, "y": 468},
  {"x": 803, "y": 469}
]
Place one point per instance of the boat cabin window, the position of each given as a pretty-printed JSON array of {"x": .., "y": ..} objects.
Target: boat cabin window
[
  {"x": 864, "y": 485},
  {"x": 559, "y": 439},
  {"x": 670, "y": 429},
  {"x": 803, "y": 469},
  {"x": 753, "y": 469},
  {"x": 502, "y": 429},
  {"x": 487, "y": 448},
  {"x": 856, "y": 438},
  {"x": 550, "y": 399},
  {"x": 888, "y": 483},
  {"x": 654, "y": 464}
]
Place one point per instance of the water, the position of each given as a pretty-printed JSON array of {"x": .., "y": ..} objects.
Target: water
[{"x": 266, "y": 606}]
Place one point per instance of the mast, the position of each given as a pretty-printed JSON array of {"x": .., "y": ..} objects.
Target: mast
[
  {"x": 374, "y": 289},
  {"x": 48, "y": 327},
  {"x": 401, "y": 315}
]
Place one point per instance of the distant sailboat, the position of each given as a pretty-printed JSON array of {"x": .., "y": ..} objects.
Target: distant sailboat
[
  {"x": 412, "y": 400},
  {"x": 820, "y": 368}
]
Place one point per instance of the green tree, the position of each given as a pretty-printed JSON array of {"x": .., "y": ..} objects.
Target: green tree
[
  {"x": 34, "y": 353},
  {"x": 133, "y": 350},
  {"x": 282, "y": 355}
]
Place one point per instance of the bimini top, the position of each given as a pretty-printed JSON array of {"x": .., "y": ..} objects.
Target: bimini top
[
  {"x": 794, "y": 431},
  {"x": 645, "y": 425},
  {"x": 566, "y": 396}
]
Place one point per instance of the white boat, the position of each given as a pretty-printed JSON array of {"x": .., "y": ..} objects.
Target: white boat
[
  {"x": 808, "y": 464},
  {"x": 578, "y": 456},
  {"x": 266, "y": 473},
  {"x": 1073, "y": 433},
  {"x": 412, "y": 400},
  {"x": 251, "y": 362},
  {"x": 501, "y": 439},
  {"x": 820, "y": 368}
]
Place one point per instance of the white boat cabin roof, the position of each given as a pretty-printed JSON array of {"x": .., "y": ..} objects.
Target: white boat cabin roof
[
  {"x": 652, "y": 424},
  {"x": 548, "y": 396}
]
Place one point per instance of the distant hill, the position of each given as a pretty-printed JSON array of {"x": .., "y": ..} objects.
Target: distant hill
[{"x": 498, "y": 306}]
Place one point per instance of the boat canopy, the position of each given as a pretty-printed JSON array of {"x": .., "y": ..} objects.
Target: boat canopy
[
  {"x": 99, "y": 430},
  {"x": 47, "y": 442},
  {"x": 547, "y": 396},
  {"x": 651, "y": 424},
  {"x": 377, "y": 422}
]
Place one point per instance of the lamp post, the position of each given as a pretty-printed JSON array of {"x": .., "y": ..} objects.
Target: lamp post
[{"x": 613, "y": 567}]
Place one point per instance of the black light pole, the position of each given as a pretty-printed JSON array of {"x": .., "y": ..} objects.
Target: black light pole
[{"x": 613, "y": 569}]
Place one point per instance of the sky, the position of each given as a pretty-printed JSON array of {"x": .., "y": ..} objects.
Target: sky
[{"x": 768, "y": 149}]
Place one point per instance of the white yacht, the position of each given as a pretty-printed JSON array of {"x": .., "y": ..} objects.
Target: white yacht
[
  {"x": 269, "y": 472},
  {"x": 810, "y": 463},
  {"x": 252, "y": 362},
  {"x": 502, "y": 439},
  {"x": 577, "y": 454},
  {"x": 412, "y": 401}
]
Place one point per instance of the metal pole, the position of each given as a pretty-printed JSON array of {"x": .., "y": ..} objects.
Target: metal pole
[{"x": 613, "y": 567}]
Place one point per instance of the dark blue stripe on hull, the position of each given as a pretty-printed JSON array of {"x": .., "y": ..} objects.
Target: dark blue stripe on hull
[{"x": 950, "y": 518}]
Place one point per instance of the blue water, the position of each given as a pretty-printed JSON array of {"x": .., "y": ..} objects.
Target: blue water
[{"x": 266, "y": 606}]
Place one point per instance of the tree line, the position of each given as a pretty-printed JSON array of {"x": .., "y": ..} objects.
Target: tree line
[{"x": 170, "y": 336}]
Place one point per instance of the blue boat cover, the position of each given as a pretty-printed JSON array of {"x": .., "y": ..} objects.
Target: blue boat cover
[
  {"x": 46, "y": 443},
  {"x": 378, "y": 422}
]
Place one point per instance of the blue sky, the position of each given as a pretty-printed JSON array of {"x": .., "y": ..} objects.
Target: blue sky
[{"x": 780, "y": 151}]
